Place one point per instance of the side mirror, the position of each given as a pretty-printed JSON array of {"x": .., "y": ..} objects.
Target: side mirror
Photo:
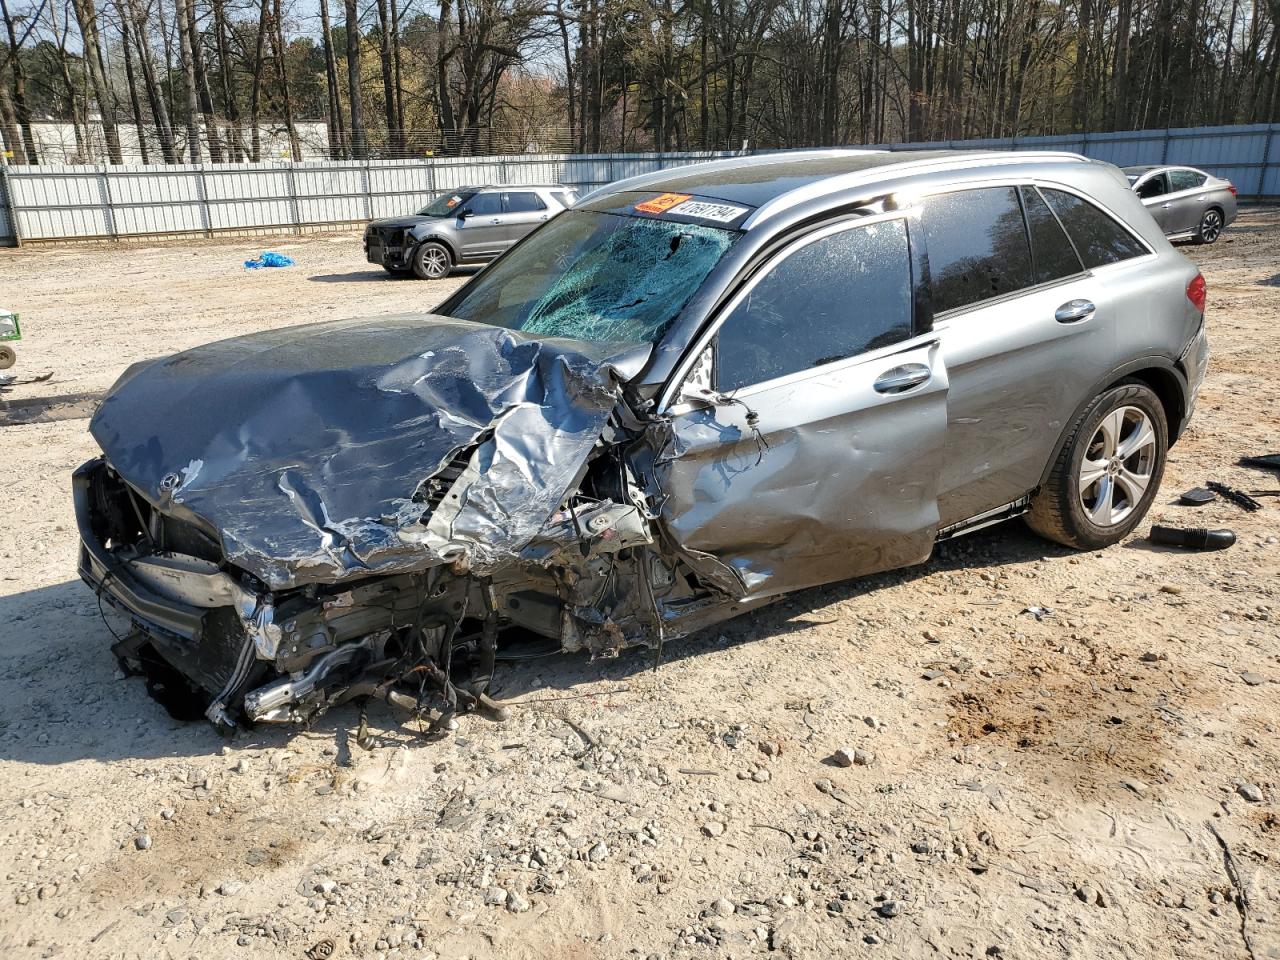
[{"x": 464, "y": 213}]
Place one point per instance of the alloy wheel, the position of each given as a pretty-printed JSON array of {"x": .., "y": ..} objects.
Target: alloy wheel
[
  {"x": 1116, "y": 470},
  {"x": 435, "y": 263},
  {"x": 1211, "y": 226}
]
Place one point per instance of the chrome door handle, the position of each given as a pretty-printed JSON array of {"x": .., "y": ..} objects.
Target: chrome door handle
[
  {"x": 496, "y": 220},
  {"x": 1074, "y": 311},
  {"x": 1167, "y": 204},
  {"x": 900, "y": 379}
]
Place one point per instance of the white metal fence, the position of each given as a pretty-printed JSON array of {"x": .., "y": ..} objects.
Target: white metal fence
[{"x": 48, "y": 203}]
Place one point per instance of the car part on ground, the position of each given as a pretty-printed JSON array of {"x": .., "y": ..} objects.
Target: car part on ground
[
  {"x": 1192, "y": 538},
  {"x": 1187, "y": 203},
  {"x": 467, "y": 225},
  {"x": 1197, "y": 497},
  {"x": 692, "y": 394},
  {"x": 1266, "y": 461},
  {"x": 1238, "y": 497}
]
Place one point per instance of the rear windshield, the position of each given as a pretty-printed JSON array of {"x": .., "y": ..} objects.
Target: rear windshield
[
  {"x": 595, "y": 276},
  {"x": 443, "y": 206}
]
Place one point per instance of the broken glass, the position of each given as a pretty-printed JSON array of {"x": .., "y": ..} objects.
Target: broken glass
[{"x": 598, "y": 277}]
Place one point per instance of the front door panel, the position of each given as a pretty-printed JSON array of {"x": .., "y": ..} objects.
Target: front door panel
[
  {"x": 835, "y": 480},
  {"x": 482, "y": 233}
]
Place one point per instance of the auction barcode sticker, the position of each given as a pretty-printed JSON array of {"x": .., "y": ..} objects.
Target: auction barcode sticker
[{"x": 719, "y": 212}]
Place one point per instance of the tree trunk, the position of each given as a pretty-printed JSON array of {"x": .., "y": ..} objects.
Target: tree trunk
[
  {"x": 337, "y": 138},
  {"x": 255, "y": 91},
  {"x": 155, "y": 97},
  {"x": 87, "y": 19},
  {"x": 444, "y": 99},
  {"x": 202, "y": 85},
  {"x": 235, "y": 135},
  {"x": 282, "y": 74},
  {"x": 359, "y": 141},
  {"x": 388, "y": 80},
  {"x": 194, "y": 154},
  {"x": 21, "y": 114},
  {"x": 134, "y": 100}
]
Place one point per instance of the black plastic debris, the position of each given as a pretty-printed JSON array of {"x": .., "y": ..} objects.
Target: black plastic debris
[
  {"x": 1197, "y": 497},
  {"x": 1267, "y": 461},
  {"x": 1238, "y": 497},
  {"x": 1192, "y": 538}
]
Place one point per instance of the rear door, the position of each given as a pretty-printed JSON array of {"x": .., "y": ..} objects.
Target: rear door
[
  {"x": 482, "y": 232},
  {"x": 1026, "y": 319},
  {"x": 524, "y": 210},
  {"x": 806, "y": 442}
]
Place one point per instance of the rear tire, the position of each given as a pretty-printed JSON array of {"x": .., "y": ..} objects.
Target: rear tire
[
  {"x": 1210, "y": 228},
  {"x": 1107, "y": 473},
  {"x": 432, "y": 261}
]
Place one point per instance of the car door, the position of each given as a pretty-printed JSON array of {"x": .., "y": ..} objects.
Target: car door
[
  {"x": 1025, "y": 316},
  {"x": 524, "y": 211},
  {"x": 805, "y": 443},
  {"x": 1186, "y": 201},
  {"x": 1151, "y": 190},
  {"x": 482, "y": 228}
]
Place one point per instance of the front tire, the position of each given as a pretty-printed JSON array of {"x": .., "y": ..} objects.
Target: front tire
[
  {"x": 1210, "y": 228},
  {"x": 1107, "y": 473},
  {"x": 431, "y": 261}
]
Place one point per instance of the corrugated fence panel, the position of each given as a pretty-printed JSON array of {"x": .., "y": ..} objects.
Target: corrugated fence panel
[
  {"x": 69, "y": 202},
  {"x": 7, "y": 236}
]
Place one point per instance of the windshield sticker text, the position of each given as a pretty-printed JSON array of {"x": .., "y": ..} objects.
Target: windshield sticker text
[{"x": 719, "y": 212}]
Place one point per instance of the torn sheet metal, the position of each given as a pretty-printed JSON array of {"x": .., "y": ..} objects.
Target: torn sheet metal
[
  {"x": 308, "y": 449},
  {"x": 804, "y": 482}
]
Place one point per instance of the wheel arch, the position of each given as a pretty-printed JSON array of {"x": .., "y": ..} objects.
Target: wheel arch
[
  {"x": 440, "y": 239},
  {"x": 1159, "y": 373}
]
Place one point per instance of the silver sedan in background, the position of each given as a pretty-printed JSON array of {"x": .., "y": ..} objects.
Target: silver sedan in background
[{"x": 1189, "y": 204}]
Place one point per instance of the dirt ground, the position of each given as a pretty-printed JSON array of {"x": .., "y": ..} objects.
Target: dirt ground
[{"x": 1100, "y": 780}]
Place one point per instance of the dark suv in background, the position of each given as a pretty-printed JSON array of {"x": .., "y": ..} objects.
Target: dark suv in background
[{"x": 468, "y": 225}]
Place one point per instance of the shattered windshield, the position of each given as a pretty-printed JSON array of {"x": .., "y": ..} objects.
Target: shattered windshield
[
  {"x": 443, "y": 206},
  {"x": 595, "y": 276}
]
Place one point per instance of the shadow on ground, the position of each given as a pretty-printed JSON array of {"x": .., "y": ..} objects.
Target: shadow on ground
[{"x": 61, "y": 699}]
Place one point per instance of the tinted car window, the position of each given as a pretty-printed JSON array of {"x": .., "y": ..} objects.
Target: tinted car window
[
  {"x": 1098, "y": 238},
  {"x": 977, "y": 246},
  {"x": 831, "y": 299},
  {"x": 524, "y": 202},
  {"x": 1184, "y": 180},
  {"x": 1051, "y": 250},
  {"x": 485, "y": 204}
]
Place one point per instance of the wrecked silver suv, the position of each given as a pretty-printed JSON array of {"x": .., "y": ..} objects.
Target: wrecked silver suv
[{"x": 695, "y": 392}]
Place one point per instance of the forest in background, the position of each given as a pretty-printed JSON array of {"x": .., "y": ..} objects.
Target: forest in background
[{"x": 181, "y": 80}]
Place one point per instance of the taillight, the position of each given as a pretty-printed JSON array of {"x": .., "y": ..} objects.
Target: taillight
[
  {"x": 1232, "y": 188},
  {"x": 1196, "y": 292}
]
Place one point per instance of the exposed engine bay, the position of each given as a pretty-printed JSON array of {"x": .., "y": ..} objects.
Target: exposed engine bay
[{"x": 471, "y": 483}]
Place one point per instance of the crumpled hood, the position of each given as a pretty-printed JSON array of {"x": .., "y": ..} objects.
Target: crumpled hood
[{"x": 305, "y": 447}]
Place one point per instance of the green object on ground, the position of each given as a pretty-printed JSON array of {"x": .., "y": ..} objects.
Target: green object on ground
[{"x": 9, "y": 329}]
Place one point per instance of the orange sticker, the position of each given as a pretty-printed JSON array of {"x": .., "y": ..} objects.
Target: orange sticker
[{"x": 662, "y": 202}]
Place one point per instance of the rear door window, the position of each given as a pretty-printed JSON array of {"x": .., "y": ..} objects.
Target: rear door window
[
  {"x": 1098, "y": 238},
  {"x": 524, "y": 201},
  {"x": 978, "y": 246},
  {"x": 833, "y": 298},
  {"x": 1051, "y": 251},
  {"x": 1184, "y": 180},
  {"x": 567, "y": 198}
]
